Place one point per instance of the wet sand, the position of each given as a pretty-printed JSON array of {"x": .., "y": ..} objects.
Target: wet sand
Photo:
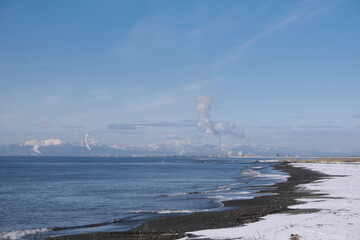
[{"x": 243, "y": 211}]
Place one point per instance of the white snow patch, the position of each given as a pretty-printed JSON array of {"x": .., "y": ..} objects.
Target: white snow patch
[{"x": 339, "y": 217}]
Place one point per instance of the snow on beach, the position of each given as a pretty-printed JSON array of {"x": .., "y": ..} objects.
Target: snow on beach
[{"x": 338, "y": 218}]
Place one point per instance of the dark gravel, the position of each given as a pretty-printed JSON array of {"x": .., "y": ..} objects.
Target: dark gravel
[{"x": 244, "y": 211}]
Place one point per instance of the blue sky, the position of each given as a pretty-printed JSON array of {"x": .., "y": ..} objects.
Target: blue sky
[{"x": 285, "y": 73}]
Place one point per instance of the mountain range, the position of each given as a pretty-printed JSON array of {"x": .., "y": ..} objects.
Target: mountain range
[{"x": 90, "y": 147}]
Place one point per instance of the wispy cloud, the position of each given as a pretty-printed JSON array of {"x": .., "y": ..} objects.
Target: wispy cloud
[
  {"x": 9, "y": 117},
  {"x": 277, "y": 132},
  {"x": 164, "y": 30},
  {"x": 305, "y": 12},
  {"x": 99, "y": 95},
  {"x": 122, "y": 126},
  {"x": 44, "y": 124},
  {"x": 145, "y": 124},
  {"x": 315, "y": 127},
  {"x": 224, "y": 128},
  {"x": 155, "y": 101},
  {"x": 298, "y": 128},
  {"x": 273, "y": 128},
  {"x": 72, "y": 127},
  {"x": 195, "y": 86},
  {"x": 53, "y": 101},
  {"x": 208, "y": 81},
  {"x": 158, "y": 31},
  {"x": 86, "y": 115}
]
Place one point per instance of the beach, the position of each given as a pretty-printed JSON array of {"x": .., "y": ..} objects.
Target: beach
[
  {"x": 283, "y": 201},
  {"x": 337, "y": 204}
]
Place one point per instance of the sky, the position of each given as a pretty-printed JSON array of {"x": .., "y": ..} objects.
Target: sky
[{"x": 276, "y": 73}]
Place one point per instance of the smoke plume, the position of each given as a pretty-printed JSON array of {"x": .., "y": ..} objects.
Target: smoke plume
[
  {"x": 203, "y": 106},
  {"x": 86, "y": 141},
  {"x": 216, "y": 129},
  {"x": 36, "y": 149},
  {"x": 224, "y": 128}
]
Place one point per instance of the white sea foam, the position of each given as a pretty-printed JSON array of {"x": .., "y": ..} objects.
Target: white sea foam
[
  {"x": 257, "y": 167},
  {"x": 338, "y": 217},
  {"x": 250, "y": 173},
  {"x": 217, "y": 190},
  {"x": 200, "y": 192},
  {"x": 256, "y": 174},
  {"x": 169, "y": 211},
  {"x": 220, "y": 199},
  {"x": 230, "y": 185},
  {"x": 13, "y": 235},
  {"x": 270, "y": 161},
  {"x": 174, "y": 211},
  {"x": 236, "y": 193},
  {"x": 176, "y": 194}
]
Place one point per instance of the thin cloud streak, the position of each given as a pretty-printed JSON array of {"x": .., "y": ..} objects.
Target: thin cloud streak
[
  {"x": 321, "y": 127},
  {"x": 43, "y": 124},
  {"x": 97, "y": 96},
  {"x": 241, "y": 50},
  {"x": 9, "y": 117},
  {"x": 159, "y": 102},
  {"x": 87, "y": 115},
  {"x": 53, "y": 101},
  {"x": 156, "y": 101},
  {"x": 145, "y": 124},
  {"x": 72, "y": 127}
]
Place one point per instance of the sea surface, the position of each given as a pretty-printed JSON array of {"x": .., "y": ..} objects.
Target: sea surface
[{"x": 50, "y": 196}]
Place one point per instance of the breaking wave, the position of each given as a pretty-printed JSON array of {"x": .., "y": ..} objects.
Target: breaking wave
[
  {"x": 220, "y": 199},
  {"x": 250, "y": 173},
  {"x": 169, "y": 211},
  {"x": 13, "y": 235},
  {"x": 230, "y": 185},
  {"x": 200, "y": 192}
]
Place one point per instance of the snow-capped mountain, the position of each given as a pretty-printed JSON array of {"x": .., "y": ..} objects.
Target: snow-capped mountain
[
  {"x": 36, "y": 144},
  {"x": 91, "y": 147}
]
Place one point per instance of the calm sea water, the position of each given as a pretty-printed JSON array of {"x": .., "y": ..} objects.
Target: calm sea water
[{"x": 48, "y": 196}]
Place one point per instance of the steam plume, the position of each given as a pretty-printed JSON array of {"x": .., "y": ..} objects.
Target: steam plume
[
  {"x": 215, "y": 129},
  {"x": 86, "y": 141},
  {"x": 36, "y": 149},
  {"x": 225, "y": 128},
  {"x": 203, "y": 106}
]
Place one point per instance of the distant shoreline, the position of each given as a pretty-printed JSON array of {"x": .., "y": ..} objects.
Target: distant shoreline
[
  {"x": 271, "y": 158},
  {"x": 243, "y": 211}
]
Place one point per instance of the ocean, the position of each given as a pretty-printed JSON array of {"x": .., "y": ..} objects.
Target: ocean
[{"x": 51, "y": 196}]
